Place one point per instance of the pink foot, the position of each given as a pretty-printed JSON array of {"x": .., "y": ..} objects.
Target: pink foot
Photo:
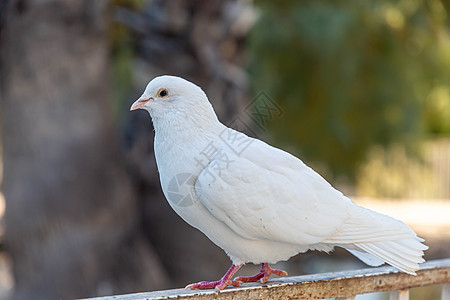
[
  {"x": 263, "y": 274},
  {"x": 220, "y": 284}
]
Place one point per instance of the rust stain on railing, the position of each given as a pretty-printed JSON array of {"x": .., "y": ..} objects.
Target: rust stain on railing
[{"x": 344, "y": 285}]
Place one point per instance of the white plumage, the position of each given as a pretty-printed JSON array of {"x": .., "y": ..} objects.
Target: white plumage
[{"x": 260, "y": 204}]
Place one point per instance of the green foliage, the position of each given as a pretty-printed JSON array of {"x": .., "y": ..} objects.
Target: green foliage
[
  {"x": 352, "y": 74},
  {"x": 390, "y": 173},
  {"x": 121, "y": 73},
  {"x": 122, "y": 54}
]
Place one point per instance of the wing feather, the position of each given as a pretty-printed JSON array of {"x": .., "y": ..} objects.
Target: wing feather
[{"x": 266, "y": 193}]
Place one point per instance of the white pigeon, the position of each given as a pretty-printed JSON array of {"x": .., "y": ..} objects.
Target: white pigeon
[{"x": 258, "y": 203}]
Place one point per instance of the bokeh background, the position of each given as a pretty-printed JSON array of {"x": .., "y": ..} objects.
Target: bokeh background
[{"x": 360, "y": 90}]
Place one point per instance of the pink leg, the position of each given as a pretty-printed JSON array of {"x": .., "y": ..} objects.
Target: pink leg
[
  {"x": 220, "y": 284},
  {"x": 263, "y": 274}
]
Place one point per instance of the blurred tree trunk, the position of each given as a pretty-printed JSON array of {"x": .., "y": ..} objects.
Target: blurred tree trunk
[{"x": 71, "y": 215}]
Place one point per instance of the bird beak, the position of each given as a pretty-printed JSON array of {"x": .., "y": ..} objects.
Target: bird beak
[{"x": 139, "y": 103}]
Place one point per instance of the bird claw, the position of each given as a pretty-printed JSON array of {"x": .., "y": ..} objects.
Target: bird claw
[
  {"x": 234, "y": 283},
  {"x": 217, "y": 285},
  {"x": 190, "y": 286},
  {"x": 263, "y": 274},
  {"x": 273, "y": 271}
]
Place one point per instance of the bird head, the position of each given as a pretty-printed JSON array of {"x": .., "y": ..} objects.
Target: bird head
[{"x": 171, "y": 97}]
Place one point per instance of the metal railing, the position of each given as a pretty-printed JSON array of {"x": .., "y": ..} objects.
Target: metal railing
[{"x": 341, "y": 285}]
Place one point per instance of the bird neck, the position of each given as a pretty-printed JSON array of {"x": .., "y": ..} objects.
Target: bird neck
[
  {"x": 181, "y": 124},
  {"x": 185, "y": 132},
  {"x": 179, "y": 144}
]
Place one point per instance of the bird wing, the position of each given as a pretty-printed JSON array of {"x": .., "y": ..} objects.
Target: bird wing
[{"x": 266, "y": 193}]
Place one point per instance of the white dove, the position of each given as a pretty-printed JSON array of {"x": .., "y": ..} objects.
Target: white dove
[{"x": 258, "y": 203}]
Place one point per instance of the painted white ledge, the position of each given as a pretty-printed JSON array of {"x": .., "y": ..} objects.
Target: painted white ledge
[{"x": 318, "y": 286}]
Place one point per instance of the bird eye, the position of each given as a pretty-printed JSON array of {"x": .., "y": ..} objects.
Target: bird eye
[{"x": 162, "y": 93}]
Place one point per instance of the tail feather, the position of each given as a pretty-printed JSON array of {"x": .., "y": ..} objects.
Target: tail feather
[
  {"x": 380, "y": 237},
  {"x": 367, "y": 237},
  {"x": 392, "y": 260},
  {"x": 366, "y": 257},
  {"x": 400, "y": 247},
  {"x": 396, "y": 253}
]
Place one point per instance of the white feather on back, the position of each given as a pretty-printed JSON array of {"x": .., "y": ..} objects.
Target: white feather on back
[
  {"x": 268, "y": 194},
  {"x": 265, "y": 193}
]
